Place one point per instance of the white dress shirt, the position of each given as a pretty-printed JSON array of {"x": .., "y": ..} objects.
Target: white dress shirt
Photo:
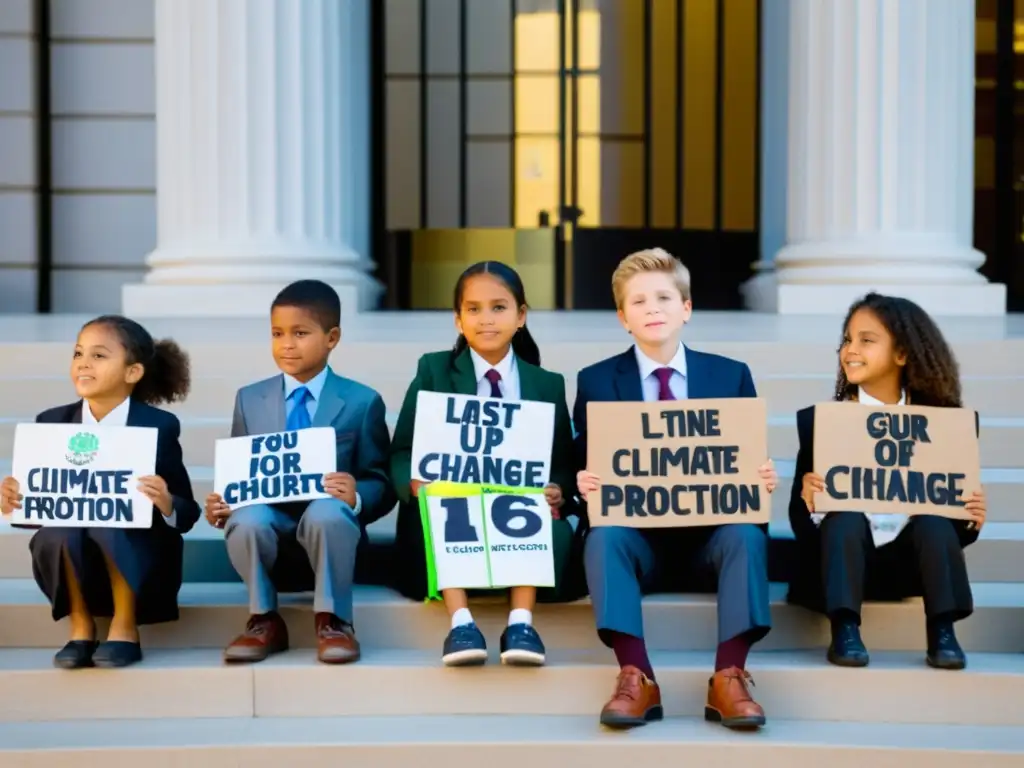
[
  {"x": 649, "y": 381},
  {"x": 507, "y": 368},
  {"x": 119, "y": 418},
  {"x": 884, "y": 527}
]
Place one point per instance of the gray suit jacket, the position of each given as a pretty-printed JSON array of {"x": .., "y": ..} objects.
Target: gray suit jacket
[{"x": 357, "y": 415}]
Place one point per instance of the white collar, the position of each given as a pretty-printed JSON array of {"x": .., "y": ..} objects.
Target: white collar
[
  {"x": 866, "y": 399},
  {"x": 648, "y": 366},
  {"x": 118, "y": 417},
  {"x": 481, "y": 366},
  {"x": 314, "y": 385}
]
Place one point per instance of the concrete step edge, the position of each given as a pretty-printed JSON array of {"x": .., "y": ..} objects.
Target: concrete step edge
[{"x": 180, "y": 734}]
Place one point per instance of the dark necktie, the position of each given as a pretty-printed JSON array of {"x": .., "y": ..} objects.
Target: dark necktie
[
  {"x": 299, "y": 417},
  {"x": 664, "y": 374},
  {"x": 494, "y": 377}
]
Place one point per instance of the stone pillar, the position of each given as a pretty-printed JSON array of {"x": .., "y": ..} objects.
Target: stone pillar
[
  {"x": 262, "y": 156},
  {"x": 880, "y": 187}
]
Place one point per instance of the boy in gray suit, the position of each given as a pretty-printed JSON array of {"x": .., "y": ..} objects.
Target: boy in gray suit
[{"x": 305, "y": 321}]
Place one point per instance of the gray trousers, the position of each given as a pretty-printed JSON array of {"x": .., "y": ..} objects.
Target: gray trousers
[
  {"x": 620, "y": 564},
  {"x": 327, "y": 530}
]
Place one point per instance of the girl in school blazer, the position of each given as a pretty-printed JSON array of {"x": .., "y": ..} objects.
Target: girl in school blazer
[
  {"x": 892, "y": 353},
  {"x": 494, "y": 356},
  {"x": 129, "y": 574}
]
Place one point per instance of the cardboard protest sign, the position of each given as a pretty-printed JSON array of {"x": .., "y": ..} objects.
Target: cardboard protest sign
[
  {"x": 480, "y": 537},
  {"x": 900, "y": 459},
  {"x": 83, "y": 475},
  {"x": 679, "y": 463},
  {"x": 469, "y": 439},
  {"x": 275, "y": 467}
]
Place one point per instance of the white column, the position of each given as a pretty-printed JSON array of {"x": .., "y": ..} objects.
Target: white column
[
  {"x": 262, "y": 155},
  {"x": 880, "y": 187}
]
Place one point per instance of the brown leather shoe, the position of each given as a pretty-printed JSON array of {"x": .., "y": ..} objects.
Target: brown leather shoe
[
  {"x": 636, "y": 701},
  {"x": 264, "y": 634},
  {"x": 729, "y": 700},
  {"x": 336, "y": 640}
]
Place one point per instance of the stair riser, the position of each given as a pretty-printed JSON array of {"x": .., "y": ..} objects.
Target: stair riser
[
  {"x": 690, "y": 627},
  {"x": 215, "y": 396},
  {"x": 251, "y": 359},
  {"x": 611, "y": 752},
  {"x": 206, "y": 560},
  {"x": 286, "y": 690}
]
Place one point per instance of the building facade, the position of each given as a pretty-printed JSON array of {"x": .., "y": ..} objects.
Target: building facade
[{"x": 792, "y": 152}]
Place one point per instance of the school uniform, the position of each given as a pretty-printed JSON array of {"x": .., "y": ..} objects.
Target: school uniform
[
  {"x": 847, "y": 557},
  {"x": 624, "y": 563},
  {"x": 298, "y": 546},
  {"x": 467, "y": 374},
  {"x": 149, "y": 559}
]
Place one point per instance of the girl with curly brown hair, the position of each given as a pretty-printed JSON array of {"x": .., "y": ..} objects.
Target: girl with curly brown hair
[
  {"x": 892, "y": 353},
  {"x": 129, "y": 574}
]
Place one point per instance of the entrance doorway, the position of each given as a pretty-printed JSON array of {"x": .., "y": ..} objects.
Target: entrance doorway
[{"x": 561, "y": 135}]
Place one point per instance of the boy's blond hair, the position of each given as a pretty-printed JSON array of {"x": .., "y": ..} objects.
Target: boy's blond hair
[{"x": 650, "y": 260}]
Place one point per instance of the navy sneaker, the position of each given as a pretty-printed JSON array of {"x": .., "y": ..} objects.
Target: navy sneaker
[
  {"x": 464, "y": 647},
  {"x": 521, "y": 646}
]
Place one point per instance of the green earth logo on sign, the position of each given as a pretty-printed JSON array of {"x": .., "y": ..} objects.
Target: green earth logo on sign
[{"x": 82, "y": 448}]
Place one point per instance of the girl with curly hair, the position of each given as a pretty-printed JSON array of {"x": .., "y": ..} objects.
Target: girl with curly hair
[
  {"x": 892, "y": 353},
  {"x": 129, "y": 574}
]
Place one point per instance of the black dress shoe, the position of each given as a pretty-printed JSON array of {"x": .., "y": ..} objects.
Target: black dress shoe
[
  {"x": 944, "y": 652},
  {"x": 847, "y": 649},
  {"x": 117, "y": 653},
  {"x": 75, "y": 655}
]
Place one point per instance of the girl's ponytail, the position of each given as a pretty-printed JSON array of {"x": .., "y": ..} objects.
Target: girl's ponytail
[
  {"x": 525, "y": 347},
  {"x": 166, "y": 376}
]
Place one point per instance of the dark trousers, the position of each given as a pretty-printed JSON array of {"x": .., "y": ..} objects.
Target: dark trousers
[
  {"x": 926, "y": 554},
  {"x": 623, "y": 563}
]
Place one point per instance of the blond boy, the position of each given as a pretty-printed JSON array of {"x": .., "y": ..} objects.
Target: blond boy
[{"x": 652, "y": 295}]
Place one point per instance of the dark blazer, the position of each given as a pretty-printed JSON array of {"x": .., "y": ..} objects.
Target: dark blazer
[
  {"x": 438, "y": 372},
  {"x": 617, "y": 379},
  {"x": 805, "y": 579},
  {"x": 150, "y": 558},
  {"x": 357, "y": 415},
  {"x": 799, "y": 519},
  {"x": 169, "y": 463}
]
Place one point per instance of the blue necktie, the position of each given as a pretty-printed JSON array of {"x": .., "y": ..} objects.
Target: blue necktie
[{"x": 299, "y": 417}]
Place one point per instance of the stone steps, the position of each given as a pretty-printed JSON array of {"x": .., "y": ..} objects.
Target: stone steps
[
  {"x": 214, "y": 397},
  {"x": 212, "y": 614},
  {"x": 502, "y": 741},
  {"x": 791, "y": 685},
  {"x": 400, "y": 707}
]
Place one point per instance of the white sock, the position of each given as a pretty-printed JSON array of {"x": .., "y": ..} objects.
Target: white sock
[
  {"x": 520, "y": 616},
  {"x": 461, "y": 617}
]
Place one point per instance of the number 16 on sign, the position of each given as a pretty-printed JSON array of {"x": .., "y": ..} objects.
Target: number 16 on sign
[{"x": 485, "y": 539}]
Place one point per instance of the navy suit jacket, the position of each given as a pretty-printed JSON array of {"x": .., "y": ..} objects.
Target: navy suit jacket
[{"x": 617, "y": 379}]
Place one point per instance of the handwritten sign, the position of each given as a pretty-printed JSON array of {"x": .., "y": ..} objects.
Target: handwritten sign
[
  {"x": 902, "y": 459},
  {"x": 469, "y": 439},
  {"x": 275, "y": 467},
  {"x": 676, "y": 464},
  {"x": 481, "y": 537},
  {"x": 83, "y": 476}
]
